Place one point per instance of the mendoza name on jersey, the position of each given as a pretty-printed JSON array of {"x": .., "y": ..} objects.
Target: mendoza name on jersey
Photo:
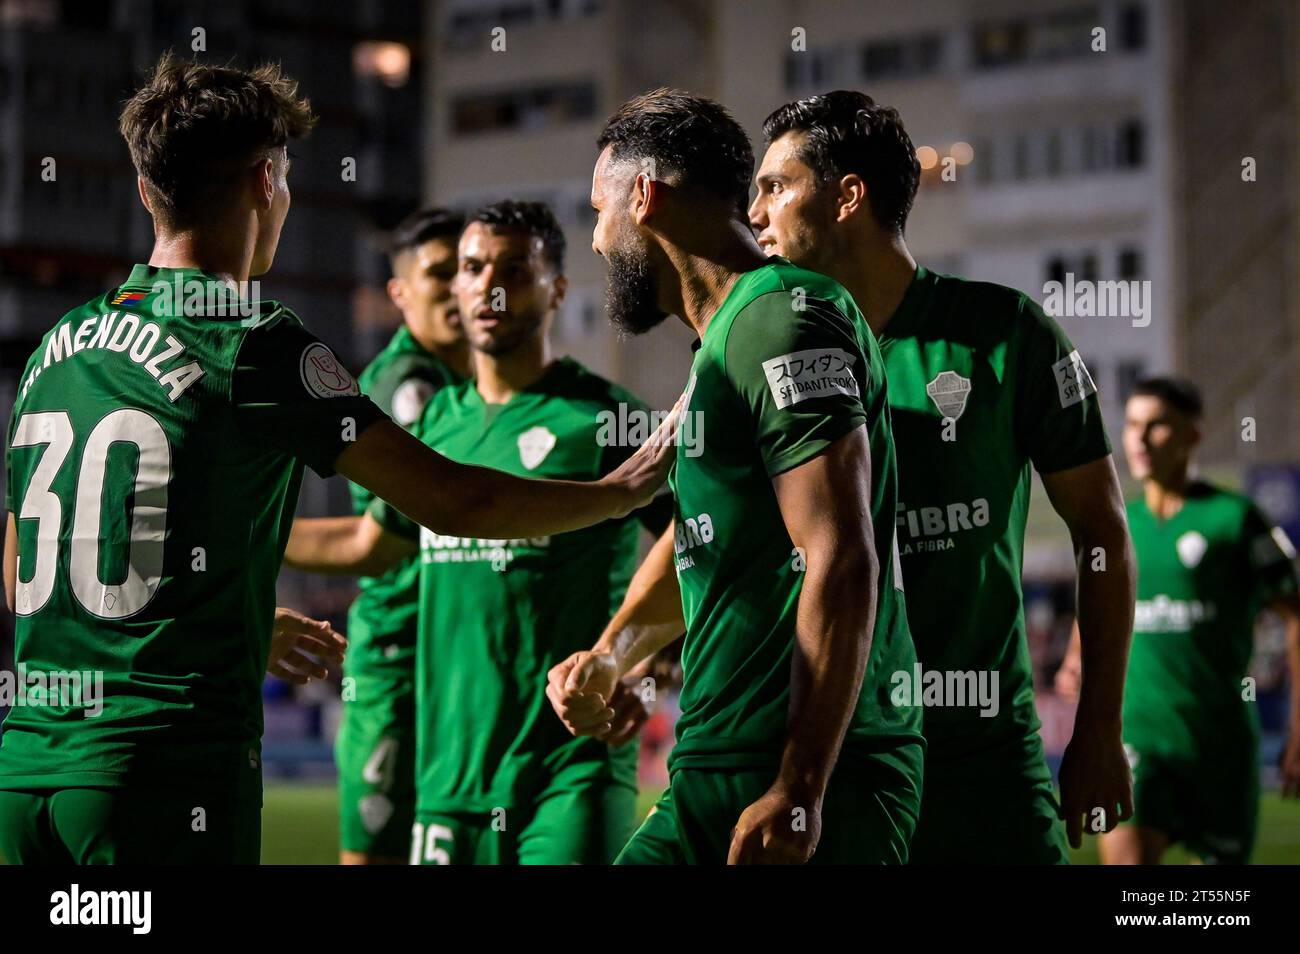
[{"x": 142, "y": 342}]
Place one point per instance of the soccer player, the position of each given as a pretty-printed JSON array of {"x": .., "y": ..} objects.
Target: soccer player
[
  {"x": 375, "y": 749},
  {"x": 1208, "y": 562},
  {"x": 982, "y": 387},
  {"x": 499, "y": 780},
  {"x": 789, "y": 747},
  {"x": 154, "y": 459}
]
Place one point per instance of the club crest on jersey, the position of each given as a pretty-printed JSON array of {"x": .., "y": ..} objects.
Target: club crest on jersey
[
  {"x": 323, "y": 376},
  {"x": 375, "y": 810},
  {"x": 1191, "y": 547},
  {"x": 949, "y": 391},
  {"x": 409, "y": 400},
  {"x": 534, "y": 444}
]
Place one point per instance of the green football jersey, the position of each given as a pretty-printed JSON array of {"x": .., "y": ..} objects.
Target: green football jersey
[
  {"x": 154, "y": 459},
  {"x": 1203, "y": 576},
  {"x": 786, "y": 367},
  {"x": 496, "y": 615},
  {"x": 982, "y": 386},
  {"x": 382, "y": 620}
]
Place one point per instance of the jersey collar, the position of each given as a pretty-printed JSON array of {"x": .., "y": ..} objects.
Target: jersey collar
[{"x": 910, "y": 310}]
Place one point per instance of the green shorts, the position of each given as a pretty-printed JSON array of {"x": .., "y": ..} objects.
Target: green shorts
[
  {"x": 581, "y": 822},
  {"x": 207, "y": 824},
  {"x": 992, "y": 807},
  {"x": 1210, "y": 806},
  {"x": 868, "y": 813},
  {"x": 375, "y": 755}
]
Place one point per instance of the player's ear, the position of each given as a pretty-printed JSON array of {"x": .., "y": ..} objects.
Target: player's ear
[
  {"x": 852, "y": 198},
  {"x": 144, "y": 194},
  {"x": 396, "y": 288},
  {"x": 647, "y": 194},
  {"x": 263, "y": 173},
  {"x": 559, "y": 287}
]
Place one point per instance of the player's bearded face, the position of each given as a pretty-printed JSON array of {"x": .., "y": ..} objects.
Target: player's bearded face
[{"x": 631, "y": 289}]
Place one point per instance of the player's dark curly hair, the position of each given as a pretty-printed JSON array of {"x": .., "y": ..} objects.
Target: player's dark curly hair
[
  {"x": 423, "y": 225},
  {"x": 849, "y": 132},
  {"x": 535, "y": 218},
  {"x": 1179, "y": 393},
  {"x": 192, "y": 128},
  {"x": 691, "y": 138}
]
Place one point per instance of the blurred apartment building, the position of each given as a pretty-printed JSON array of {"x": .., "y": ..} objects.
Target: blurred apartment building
[{"x": 1063, "y": 151}]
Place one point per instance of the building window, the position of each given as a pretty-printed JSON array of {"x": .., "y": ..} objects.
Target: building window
[
  {"x": 1031, "y": 39},
  {"x": 1133, "y": 27},
  {"x": 1000, "y": 44},
  {"x": 1130, "y": 263},
  {"x": 1089, "y": 267},
  {"x": 814, "y": 68},
  {"x": 905, "y": 58},
  {"x": 532, "y": 109},
  {"x": 1130, "y": 154}
]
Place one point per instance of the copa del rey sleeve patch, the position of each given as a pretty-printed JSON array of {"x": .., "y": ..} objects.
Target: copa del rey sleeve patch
[
  {"x": 323, "y": 376},
  {"x": 817, "y": 372}
]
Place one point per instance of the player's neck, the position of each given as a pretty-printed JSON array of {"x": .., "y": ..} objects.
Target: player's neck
[
  {"x": 215, "y": 254},
  {"x": 878, "y": 276},
  {"x": 705, "y": 279},
  {"x": 455, "y": 355},
  {"x": 499, "y": 377},
  {"x": 1166, "y": 498}
]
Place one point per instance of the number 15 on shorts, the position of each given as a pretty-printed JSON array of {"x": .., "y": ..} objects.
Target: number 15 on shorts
[{"x": 425, "y": 844}]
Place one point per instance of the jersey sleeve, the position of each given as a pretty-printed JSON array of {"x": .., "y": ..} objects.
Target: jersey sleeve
[
  {"x": 800, "y": 375},
  {"x": 291, "y": 393},
  {"x": 401, "y": 390},
  {"x": 392, "y": 519},
  {"x": 1058, "y": 414},
  {"x": 1270, "y": 557}
]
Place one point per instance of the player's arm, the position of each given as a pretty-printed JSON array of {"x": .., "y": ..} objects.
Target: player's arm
[
  {"x": 1094, "y": 772},
  {"x": 826, "y": 506},
  {"x": 1288, "y": 608},
  {"x": 582, "y": 687},
  {"x": 1070, "y": 673},
  {"x": 350, "y": 545},
  {"x": 463, "y": 500},
  {"x": 11, "y": 561},
  {"x": 279, "y": 389}
]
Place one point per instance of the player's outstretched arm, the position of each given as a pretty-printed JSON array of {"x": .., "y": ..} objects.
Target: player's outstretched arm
[
  {"x": 11, "y": 561},
  {"x": 826, "y": 506},
  {"x": 463, "y": 500},
  {"x": 582, "y": 687},
  {"x": 1095, "y": 775},
  {"x": 357, "y": 546},
  {"x": 1288, "y": 607}
]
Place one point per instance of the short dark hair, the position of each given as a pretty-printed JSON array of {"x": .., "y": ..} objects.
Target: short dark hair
[
  {"x": 1179, "y": 393},
  {"x": 689, "y": 136},
  {"x": 423, "y": 225},
  {"x": 192, "y": 128},
  {"x": 535, "y": 218},
  {"x": 849, "y": 132}
]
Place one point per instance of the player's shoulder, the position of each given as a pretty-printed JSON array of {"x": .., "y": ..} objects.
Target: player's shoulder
[
  {"x": 585, "y": 389},
  {"x": 984, "y": 309},
  {"x": 1232, "y": 502},
  {"x": 783, "y": 304}
]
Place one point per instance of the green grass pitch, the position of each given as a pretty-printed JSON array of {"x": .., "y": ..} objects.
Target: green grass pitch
[{"x": 300, "y": 826}]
